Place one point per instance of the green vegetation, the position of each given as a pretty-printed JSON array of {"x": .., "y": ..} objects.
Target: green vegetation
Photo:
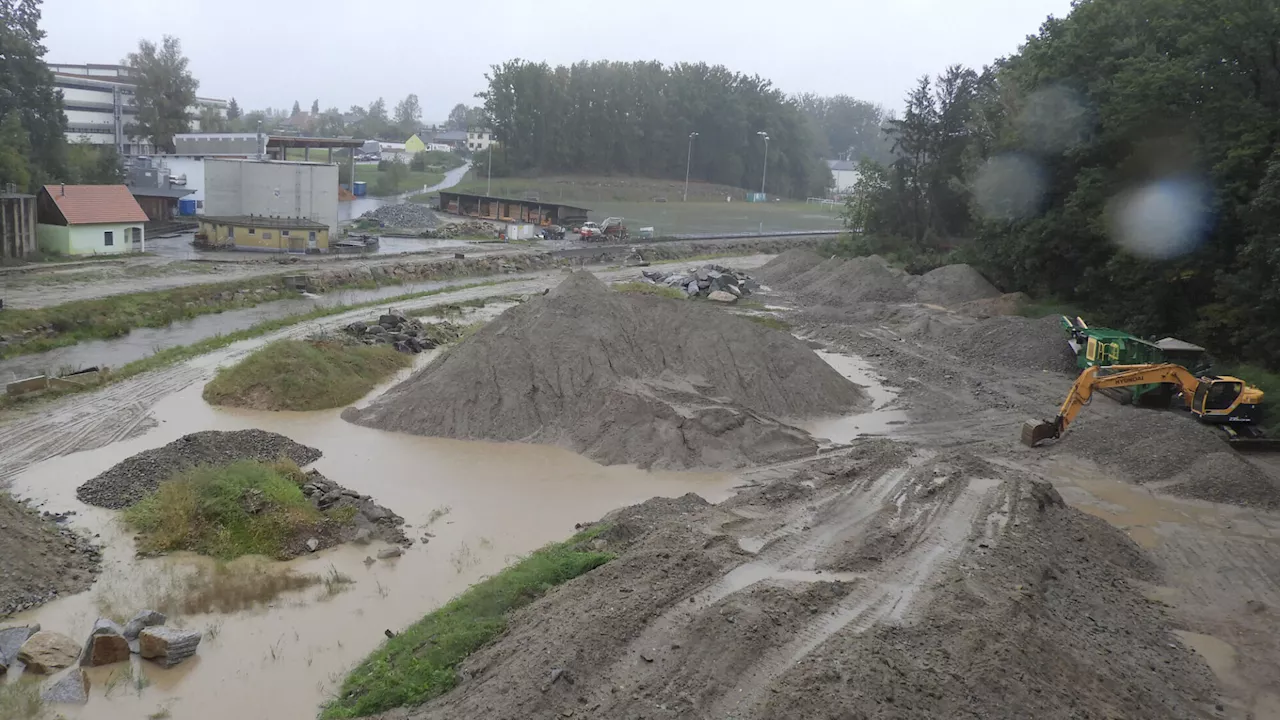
[
  {"x": 640, "y": 288},
  {"x": 317, "y": 155},
  {"x": 769, "y": 321},
  {"x": 421, "y": 662},
  {"x": 393, "y": 178},
  {"x": 246, "y": 508},
  {"x": 436, "y": 160},
  {"x": 304, "y": 375},
  {"x": 21, "y": 701}
]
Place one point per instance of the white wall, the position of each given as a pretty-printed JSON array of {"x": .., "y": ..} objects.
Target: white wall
[
  {"x": 845, "y": 180},
  {"x": 193, "y": 168},
  {"x": 274, "y": 189}
]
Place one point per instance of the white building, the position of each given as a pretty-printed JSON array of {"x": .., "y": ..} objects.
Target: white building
[
  {"x": 98, "y": 101},
  {"x": 479, "y": 139},
  {"x": 272, "y": 188},
  {"x": 845, "y": 174}
]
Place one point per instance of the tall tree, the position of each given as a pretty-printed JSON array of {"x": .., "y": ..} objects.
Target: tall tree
[
  {"x": 408, "y": 113},
  {"x": 233, "y": 110},
  {"x": 15, "y": 152},
  {"x": 331, "y": 123},
  {"x": 378, "y": 110},
  {"x": 165, "y": 91},
  {"x": 297, "y": 110},
  {"x": 458, "y": 117},
  {"x": 90, "y": 164},
  {"x": 211, "y": 120},
  {"x": 315, "y": 107},
  {"x": 27, "y": 92}
]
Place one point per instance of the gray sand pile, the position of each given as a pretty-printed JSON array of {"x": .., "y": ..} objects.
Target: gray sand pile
[
  {"x": 1015, "y": 342},
  {"x": 953, "y": 285},
  {"x": 1007, "y": 304},
  {"x": 130, "y": 480},
  {"x": 1227, "y": 477},
  {"x": 864, "y": 279},
  {"x": 40, "y": 558},
  {"x": 622, "y": 378},
  {"x": 803, "y": 280},
  {"x": 788, "y": 265}
]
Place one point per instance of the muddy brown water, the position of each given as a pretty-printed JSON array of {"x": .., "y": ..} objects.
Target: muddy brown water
[
  {"x": 284, "y": 659},
  {"x": 880, "y": 420}
]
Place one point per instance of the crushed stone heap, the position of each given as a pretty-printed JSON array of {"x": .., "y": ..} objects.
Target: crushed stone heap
[{"x": 622, "y": 378}]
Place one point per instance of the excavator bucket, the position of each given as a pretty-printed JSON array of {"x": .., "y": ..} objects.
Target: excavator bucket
[{"x": 1036, "y": 431}]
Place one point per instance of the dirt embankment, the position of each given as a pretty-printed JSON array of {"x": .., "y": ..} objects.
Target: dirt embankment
[
  {"x": 622, "y": 378},
  {"x": 977, "y": 593},
  {"x": 841, "y": 282},
  {"x": 39, "y": 559}
]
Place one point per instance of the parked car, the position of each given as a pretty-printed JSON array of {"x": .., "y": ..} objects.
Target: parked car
[
  {"x": 589, "y": 230},
  {"x": 553, "y": 232}
]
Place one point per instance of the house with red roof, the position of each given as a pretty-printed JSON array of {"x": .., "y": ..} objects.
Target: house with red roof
[{"x": 89, "y": 220}]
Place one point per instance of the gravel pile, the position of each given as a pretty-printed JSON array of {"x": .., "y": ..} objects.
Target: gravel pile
[
  {"x": 404, "y": 215},
  {"x": 1226, "y": 477},
  {"x": 953, "y": 285},
  {"x": 129, "y": 481},
  {"x": 622, "y": 378},
  {"x": 1014, "y": 342},
  {"x": 405, "y": 334},
  {"x": 864, "y": 279},
  {"x": 464, "y": 229},
  {"x": 1147, "y": 445},
  {"x": 788, "y": 265},
  {"x": 705, "y": 280},
  {"x": 1007, "y": 304},
  {"x": 39, "y": 558}
]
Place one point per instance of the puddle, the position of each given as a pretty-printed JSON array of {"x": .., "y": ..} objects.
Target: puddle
[
  {"x": 880, "y": 420},
  {"x": 485, "y": 503},
  {"x": 143, "y": 342}
]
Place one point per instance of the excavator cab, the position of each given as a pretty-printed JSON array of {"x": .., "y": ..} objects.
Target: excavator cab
[{"x": 1226, "y": 400}]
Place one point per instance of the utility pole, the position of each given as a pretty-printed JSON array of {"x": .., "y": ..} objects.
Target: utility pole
[
  {"x": 488, "y": 188},
  {"x": 765, "y": 175},
  {"x": 687, "y": 164}
]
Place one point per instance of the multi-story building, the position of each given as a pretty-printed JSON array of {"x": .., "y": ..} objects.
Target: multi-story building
[
  {"x": 98, "y": 101},
  {"x": 479, "y": 139}
]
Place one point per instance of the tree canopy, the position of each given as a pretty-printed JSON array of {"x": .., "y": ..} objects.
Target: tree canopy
[
  {"x": 32, "y": 126},
  {"x": 848, "y": 128},
  {"x": 635, "y": 119},
  {"x": 165, "y": 91}
]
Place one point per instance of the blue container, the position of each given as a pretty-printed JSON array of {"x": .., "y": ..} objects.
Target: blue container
[
  {"x": 186, "y": 206},
  {"x": 359, "y": 188}
]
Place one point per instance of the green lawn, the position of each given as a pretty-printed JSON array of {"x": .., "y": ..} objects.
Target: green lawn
[
  {"x": 317, "y": 154},
  {"x": 410, "y": 181}
]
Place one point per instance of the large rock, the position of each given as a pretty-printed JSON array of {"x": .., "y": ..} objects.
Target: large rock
[
  {"x": 71, "y": 689},
  {"x": 45, "y": 652},
  {"x": 167, "y": 646},
  {"x": 11, "y": 639},
  {"x": 722, "y": 296},
  {"x": 144, "y": 619},
  {"x": 106, "y": 645}
]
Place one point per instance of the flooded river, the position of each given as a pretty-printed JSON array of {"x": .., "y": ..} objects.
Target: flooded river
[{"x": 283, "y": 659}]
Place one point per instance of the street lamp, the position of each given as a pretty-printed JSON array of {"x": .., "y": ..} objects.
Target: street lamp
[
  {"x": 764, "y": 175},
  {"x": 688, "y": 163}
]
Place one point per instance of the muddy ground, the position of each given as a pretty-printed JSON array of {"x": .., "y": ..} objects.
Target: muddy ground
[{"x": 1131, "y": 570}]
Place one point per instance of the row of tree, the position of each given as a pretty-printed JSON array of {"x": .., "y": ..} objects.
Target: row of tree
[
  {"x": 1126, "y": 159},
  {"x": 636, "y": 119}
]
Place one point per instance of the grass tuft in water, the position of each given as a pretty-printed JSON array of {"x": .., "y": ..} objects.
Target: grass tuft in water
[
  {"x": 421, "y": 662},
  {"x": 21, "y": 701}
]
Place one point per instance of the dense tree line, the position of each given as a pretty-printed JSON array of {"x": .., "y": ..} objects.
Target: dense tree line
[
  {"x": 32, "y": 126},
  {"x": 847, "y": 128},
  {"x": 1124, "y": 160},
  {"x": 635, "y": 119}
]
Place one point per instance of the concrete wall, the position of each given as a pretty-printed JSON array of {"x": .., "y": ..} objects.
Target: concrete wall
[
  {"x": 90, "y": 239},
  {"x": 274, "y": 189},
  {"x": 245, "y": 237},
  {"x": 193, "y": 169},
  {"x": 845, "y": 180}
]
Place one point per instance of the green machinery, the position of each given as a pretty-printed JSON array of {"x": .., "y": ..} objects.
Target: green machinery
[{"x": 1099, "y": 347}]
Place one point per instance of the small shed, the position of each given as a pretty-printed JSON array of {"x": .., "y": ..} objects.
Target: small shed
[
  {"x": 160, "y": 204},
  {"x": 17, "y": 225},
  {"x": 89, "y": 220},
  {"x": 264, "y": 234},
  {"x": 512, "y": 210}
]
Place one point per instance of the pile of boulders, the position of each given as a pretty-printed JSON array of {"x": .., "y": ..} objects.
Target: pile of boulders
[
  {"x": 28, "y": 649},
  {"x": 404, "y": 215},
  {"x": 369, "y": 520},
  {"x": 714, "y": 282},
  {"x": 465, "y": 229},
  {"x": 405, "y": 334}
]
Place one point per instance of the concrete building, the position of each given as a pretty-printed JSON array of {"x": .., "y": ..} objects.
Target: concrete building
[
  {"x": 414, "y": 145},
  {"x": 264, "y": 234},
  {"x": 456, "y": 139},
  {"x": 89, "y": 220},
  {"x": 479, "y": 139},
  {"x": 272, "y": 188},
  {"x": 845, "y": 174},
  {"x": 99, "y": 103},
  {"x": 17, "y": 225}
]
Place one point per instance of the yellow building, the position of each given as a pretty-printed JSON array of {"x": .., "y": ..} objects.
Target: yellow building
[
  {"x": 414, "y": 145},
  {"x": 264, "y": 234}
]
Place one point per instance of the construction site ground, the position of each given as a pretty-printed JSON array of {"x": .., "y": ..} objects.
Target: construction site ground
[{"x": 940, "y": 570}]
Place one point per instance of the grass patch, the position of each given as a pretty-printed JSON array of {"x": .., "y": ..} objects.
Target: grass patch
[
  {"x": 385, "y": 182},
  {"x": 179, "y": 353},
  {"x": 421, "y": 662},
  {"x": 769, "y": 321},
  {"x": 640, "y": 288},
  {"x": 304, "y": 375},
  {"x": 245, "y": 508},
  {"x": 21, "y": 701}
]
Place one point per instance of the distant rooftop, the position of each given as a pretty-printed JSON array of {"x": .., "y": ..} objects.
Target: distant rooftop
[{"x": 842, "y": 166}]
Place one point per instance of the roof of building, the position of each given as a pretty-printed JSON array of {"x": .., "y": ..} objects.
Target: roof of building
[
  {"x": 91, "y": 204},
  {"x": 450, "y": 136},
  {"x": 263, "y": 221},
  {"x": 842, "y": 166},
  {"x": 169, "y": 192},
  {"x": 275, "y": 141},
  {"x": 523, "y": 201}
]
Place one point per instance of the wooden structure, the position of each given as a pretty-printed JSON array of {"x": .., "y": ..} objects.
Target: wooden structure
[
  {"x": 510, "y": 210},
  {"x": 17, "y": 225},
  {"x": 264, "y": 234}
]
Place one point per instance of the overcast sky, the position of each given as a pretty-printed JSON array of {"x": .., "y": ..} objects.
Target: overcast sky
[{"x": 272, "y": 52}]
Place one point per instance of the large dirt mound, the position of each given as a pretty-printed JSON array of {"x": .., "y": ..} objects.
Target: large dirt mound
[
  {"x": 39, "y": 560},
  {"x": 953, "y": 285},
  {"x": 622, "y": 378},
  {"x": 789, "y": 264},
  {"x": 841, "y": 282},
  {"x": 1014, "y": 342},
  {"x": 863, "y": 279},
  {"x": 129, "y": 481}
]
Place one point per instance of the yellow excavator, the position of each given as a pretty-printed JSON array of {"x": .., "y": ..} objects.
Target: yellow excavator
[{"x": 1226, "y": 401}]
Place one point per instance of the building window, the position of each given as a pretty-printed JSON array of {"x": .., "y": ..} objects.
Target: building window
[
  {"x": 266, "y": 234},
  {"x": 199, "y": 204},
  {"x": 108, "y": 238},
  {"x": 231, "y": 232},
  {"x": 284, "y": 233},
  {"x": 253, "y": 231}
]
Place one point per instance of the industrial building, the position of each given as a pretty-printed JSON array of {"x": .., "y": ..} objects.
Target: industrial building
[
  {"x": 17, "y": 224},
  {"x": 98, "y": 101},
  {"x": 264, "y": 234},
  {"x": 89, "y": 220},
  {"x": 511, "y": 210},
  {"x": 274, "y": 189}
]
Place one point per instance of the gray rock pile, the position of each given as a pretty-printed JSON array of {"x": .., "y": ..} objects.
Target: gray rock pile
[
  {"x": 167, "y": 646},
  {"x": 405, "y": 334},
  {"x": 130, "y": 480},
  {"x": 370, "y": 521},
  {"x": 464, "y": 229},
  {"x": 41, "y": 557},
  {"x": 70, "y": 689},
  {"x": 705, "y": 281},
  {"x": 106, "y": 645},
  {"x": 47, "y": 652},
  {"x": 403, "y": 215}
]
